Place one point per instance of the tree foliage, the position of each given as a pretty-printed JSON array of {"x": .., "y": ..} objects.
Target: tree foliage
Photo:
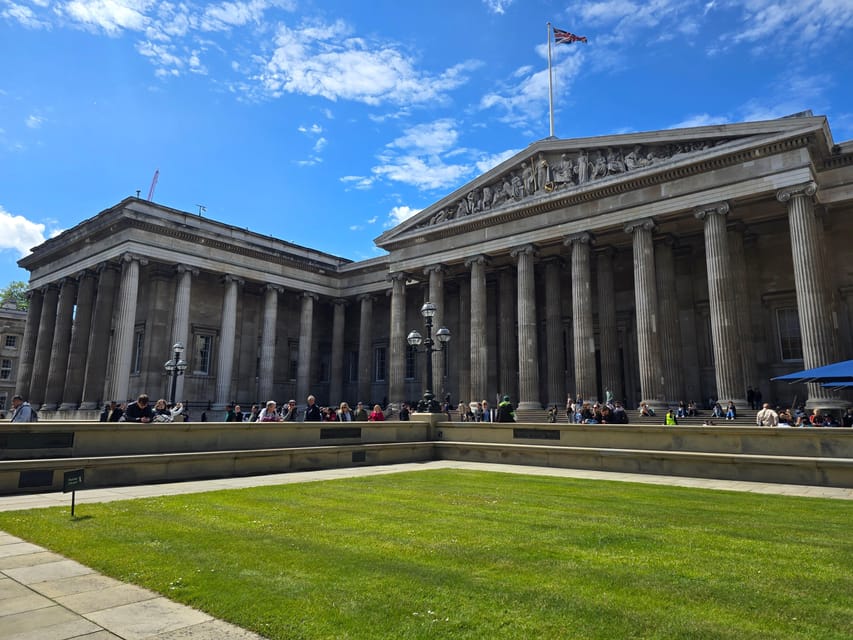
[{"x": 15, "y": 291}]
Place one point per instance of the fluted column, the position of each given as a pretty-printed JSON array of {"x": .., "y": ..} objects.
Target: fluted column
[
  {"x": 28, "y": 348},
  {"x": 462, "y": 348},
  {"x": 724, "y": 324},
  {"x": 670, "y": 336},
  {"x": 44, "y": 345},
  {"x": 555, "y": 354},
  {"x": 336, "y": 381},
  {"x": 742, "y": 305},
  {"x": 397, "y": 355},
  {"x": 99, "y": 341},
  {"x": 814, "y": 302},
  {"x": 507, "y": 336},
  {"x": 365, "y": 352},
  {"x": 479, "y": 346},
  {"x": 181, "y": 317},
  {"x": 436, "y": 296},
  {"x": 528, "y": 341},
  {"x": 584, "y": 338},
  {"x": 227, "y": 341},
  {"x": 78, "y": 351},
  {"x": 611, "y": 378},
  {"x": 646, "y": 303},
  {"x": 268, "y": 342},
  {"x": 306, "y": 346},
  {"x": 122, "y": 348}
]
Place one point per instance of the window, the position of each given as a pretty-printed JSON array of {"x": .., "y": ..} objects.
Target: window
[
  {"x": 5, "y": 369},
  {"x": 412, "y": 362},
  {"x": 790, "y": 342},
  {"x": 11, "y": 342},
  {"x": 294, "y": 360},
  {"x": 203, "y": 353},
  {"x": 138, "y": 341},
  {"x": 3, "y": 402},
  {"x": 380, "y": 364}
]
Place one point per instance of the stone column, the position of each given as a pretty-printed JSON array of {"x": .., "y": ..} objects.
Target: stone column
[
  {"x": 99, "y": 340},
  {"x": 306, "y": 347},
  {"x": 227, "y": 340},
  {"x": 44, "y": 345},
  {"x": 268, "y": 342},
  {"x": 125, "y": 327},
  {"x": 611, "y": 380},
  {"x": 336, "y": 382},
  {"x": 28, "y": 348},
  {"x": 724, "y": 326},
  {"x": 181, "y": 319},
  {"x": 646, "y": 303},
  {"x": 398, "y": 344},
  {"x": 528, "y": 342},
  {"x": 814, "y": 302},
  {"x": 555, "y": 354},
  {"x": 742, "y": 304},
  {"x": 72, "y": 395},
  {"x": 670, "y": 335},
  {"x": 436, "y": 296},
  {"x": 584, "y": 338},
  {"x": 479, "y": 346},
  {"x": 507, "y": 339},
  {"x": 463, "y": 344},
  {"x": 365, "y": 352}
]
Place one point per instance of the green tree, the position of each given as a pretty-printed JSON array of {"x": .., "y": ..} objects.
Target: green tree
[{"x": 15, "y": 291}]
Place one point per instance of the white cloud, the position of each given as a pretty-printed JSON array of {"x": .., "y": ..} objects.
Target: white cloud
[
  {"x": 424, "y": 173},
  {"x": 400, "y": 214},
  {"x": 699, "y": 120},
  {"x": 431, "y": 137},
  {"x": 361, "y": 183},
  {"x": 808, "y": 21},
  {"x": 490, "y": 161},
  {"x": 320, "y": 144},
  {"x": 497, "y": 6},
  {"x": 112, "y": 16},
  {"x": 226, "y": 15},
  {"x": 24, "y": 15},
  {"x": 16, "y": 232},
  {"x": 34, "y": 122}
]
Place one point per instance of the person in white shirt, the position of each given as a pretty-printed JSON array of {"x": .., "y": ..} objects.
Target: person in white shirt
[{"x": 767, "y": 417}]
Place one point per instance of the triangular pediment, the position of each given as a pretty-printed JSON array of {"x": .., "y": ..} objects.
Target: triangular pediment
[{"x": 552, "y": 168}]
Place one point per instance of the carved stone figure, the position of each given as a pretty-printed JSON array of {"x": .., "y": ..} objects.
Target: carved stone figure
[
  {"x": 582, "y": 167},
  {"x": 527, "y": 179},
  {"x": 473, "y": 204},
  {"x": 517, "y": 187},
  {"x": 599, "y": 167},
  {"x": 487, "y": 198},
  {"x": 461, "y": 208},
  {"x": 542, "y": 173},
  {"x": 614, "y": 162},
  {"x": 633, "y": 158},
  {"x": 562, "y": 174}
]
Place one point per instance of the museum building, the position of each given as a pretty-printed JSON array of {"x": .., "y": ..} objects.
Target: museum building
[{"x": 684, "y": 264}]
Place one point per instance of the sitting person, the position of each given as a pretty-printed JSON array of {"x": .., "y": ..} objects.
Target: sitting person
[
  {"x": 692, "y": 410},
  {"x": 717, "y": 411},
  {"x": 646, "y": 410},
  {"x": 670, "y": 418},
  {"x": 731, "y": 411},
  {"x": 681, "y": 412},
  {"x": 269, "y": 413}
]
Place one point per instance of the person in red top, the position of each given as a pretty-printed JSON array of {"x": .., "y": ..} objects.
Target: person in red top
[{"x": 376, "y": 415}]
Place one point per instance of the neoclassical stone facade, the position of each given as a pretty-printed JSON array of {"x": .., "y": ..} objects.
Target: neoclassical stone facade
[{"x": 663, "y": 266}]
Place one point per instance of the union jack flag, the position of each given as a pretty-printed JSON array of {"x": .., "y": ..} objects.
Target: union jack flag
[{"x": 564, "y": 37}]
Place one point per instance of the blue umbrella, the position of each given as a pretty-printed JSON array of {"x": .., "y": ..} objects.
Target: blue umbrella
[{"x": 828, "y": 374}]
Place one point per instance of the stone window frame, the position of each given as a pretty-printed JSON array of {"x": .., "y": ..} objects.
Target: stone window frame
[
  {"x": 411, "y": 363},
  {"x": 292, "y": 360},
  {"x": 10, "y": 342},
  {"x": 380, "y": 363},
  {"x": 790, "y": 340},
  {"x": 324, "y": 370},
  {"x": 776, "y": 302},
  {"x": 6, "y": 369},
  {"x": 136, "y": 364},
  {"x": 4, "y": 398},
  {"x": 202, "y": 333}
]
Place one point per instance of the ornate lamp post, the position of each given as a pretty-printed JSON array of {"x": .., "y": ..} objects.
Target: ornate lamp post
[
  {"x": 429, "y": 403},
  {"x": 175, "y": 367}
]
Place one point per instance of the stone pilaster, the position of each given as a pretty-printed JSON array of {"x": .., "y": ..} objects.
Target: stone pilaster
[
  {"x": 398, "y": 344},
  {"x": 227, "y": 341},
  {"x": 268, "y": 342},
  {"x": 555, "y": 353},
  {"x": 479, "y": 347},
  {"x": 365, "y": 352},
  {"x": 436, "y": 296},
  {"x": 646, "y": 304},
  {"x": 670, "y": 336},
  {"x": 814, "y": 302},
  {"x": 44, "y": 345},
  {"x": 125, "y": 326},
  {"x": 582, "y": 330},
  {"x": 528, "y": 342},
  {"x": 72, "y": 395},
  {"x": 724, "y": 325},
  {"x": 28, "y": 348},
  {"x": 611, "y": 378},
  {"x": 336, "y": 374},
  {"x": 181, "y": 318},
  {"x": 306, "y": 347},
  {"x": 507, "y": 336},
  {"x": 99, "y": 345}
]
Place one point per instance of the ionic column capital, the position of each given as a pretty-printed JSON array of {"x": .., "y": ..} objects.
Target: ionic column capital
[
  {"x": 340, "y": 302},
  {"x": 807, "y": 190},
  {"x": 183, "y": 268},
  {"x": 310, "y": 294},
  {"x": 584, "y": 237},
  {"x": 366, "y": 297},
  {"x": 133, "y": 257},
  {"x": 435, "y": 268},
  {"x": 273, "y": 287},
  {"x": 717, "y": 208},
  {"x": 643, "y": 224},
  {"x": 478, "y": 259},
  {"x": 397, "y": 276},
  {"x": 228, "y": 279},
  {"x": 524, "y": 250}
]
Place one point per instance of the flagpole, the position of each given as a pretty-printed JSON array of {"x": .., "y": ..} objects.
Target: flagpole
[{"x": 550, "y": 85}]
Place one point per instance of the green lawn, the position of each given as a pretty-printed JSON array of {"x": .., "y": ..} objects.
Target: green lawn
[{"x": 459, "y": 554}]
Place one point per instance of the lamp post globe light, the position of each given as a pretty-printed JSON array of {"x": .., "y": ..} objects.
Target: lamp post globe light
[
  {"x": 416, "y": 340},
  {"x": 175, "y": 367}
]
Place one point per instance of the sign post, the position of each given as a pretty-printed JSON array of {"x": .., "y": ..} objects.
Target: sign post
[{"x": 71, "y": 481}]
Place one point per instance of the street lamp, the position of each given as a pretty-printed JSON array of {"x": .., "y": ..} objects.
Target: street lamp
[
  {"x": 415, "y": 339},
  {"x": 175, "y": 367}
]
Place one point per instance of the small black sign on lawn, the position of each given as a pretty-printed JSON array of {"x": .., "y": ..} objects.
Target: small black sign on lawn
[{"x": 71, "y": 481}]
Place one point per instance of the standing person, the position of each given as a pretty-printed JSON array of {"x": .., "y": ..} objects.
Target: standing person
[
  {"x": 312, "y": 411},
  {"x": 758, "y": 398},
  {"x": 238, "y": 413},
  {"x": 376, "y": 415},
  {"x": 344, "y": 413},
  {"x": 750, "y": 398},
  {"x": 290, "y": 413},
  {"x": 404, "y": 412},
  {"x": 506, "y": 412},
  {"x": 112, "y": 412},
  {"x": 22, "y": 411},
  {"x": 360, "y": 414},
  {"x": 230, "y": 416},
  {"x": 139, "y": 411},
  {"x": 767, "y": 417},
  {"x": 269, "y": 413},
  {"x": 487, "y": 412}
]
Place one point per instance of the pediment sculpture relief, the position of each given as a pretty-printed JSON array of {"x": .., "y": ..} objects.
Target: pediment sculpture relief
[{"x": 550, "y": 172}]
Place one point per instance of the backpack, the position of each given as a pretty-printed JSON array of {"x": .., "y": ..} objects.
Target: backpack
[{"x": 34, "y": 415}]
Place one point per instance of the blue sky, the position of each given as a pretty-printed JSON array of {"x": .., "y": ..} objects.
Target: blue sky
[{"x": 325, "y": 122}]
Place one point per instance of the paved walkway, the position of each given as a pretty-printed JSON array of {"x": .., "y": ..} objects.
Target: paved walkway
[{"x": 44, "y": 596}]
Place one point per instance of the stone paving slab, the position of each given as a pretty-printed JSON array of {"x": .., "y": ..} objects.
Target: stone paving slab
[
  {"x": 50, "y": 623},
  {"x": 29, "y": 560},
  {"x": 76, "y": 584},
  {"x": 212, "y": 630},
  {"x": 141, "y": 620},
  {"x": 117, "y": 596},
  {"x": 48, "y": 571}
]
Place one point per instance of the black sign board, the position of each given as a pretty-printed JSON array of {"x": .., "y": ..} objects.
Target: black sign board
[{"x": 72, "y": 480}]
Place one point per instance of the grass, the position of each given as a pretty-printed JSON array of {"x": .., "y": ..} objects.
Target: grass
[{"x": 460, "y": 554}]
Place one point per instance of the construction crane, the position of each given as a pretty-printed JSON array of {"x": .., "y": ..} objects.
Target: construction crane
[{"x": 153, "y": 184}]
